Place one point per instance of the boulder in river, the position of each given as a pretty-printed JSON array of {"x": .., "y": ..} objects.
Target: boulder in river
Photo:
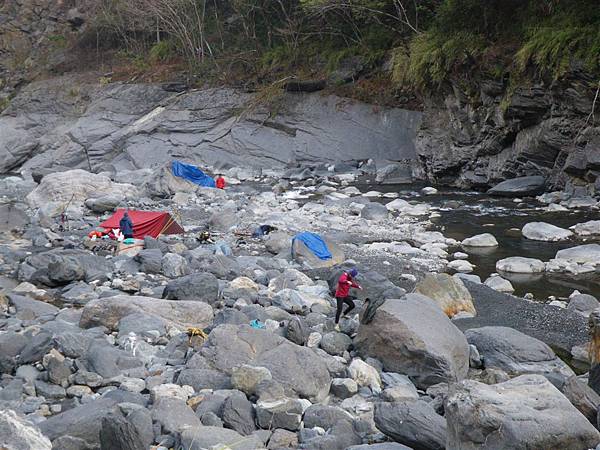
[
  {"x": 480, "y": 240},
  {"x": 413, "y": 336},
  {"x": 583, "y": 304},
  {"x": 448, "y": 292},
  {"x": 500, "y": 284},
  {"x": 518, "y": 264},
  {"x": 582, "y": 254},
  {"x": 519, "y": 187},
  {"x": 590, "y": 228},
  {"x": 516, "y": 353},
  {"x": 542, "y": 231},
  {"x": 524, "y": 413}
]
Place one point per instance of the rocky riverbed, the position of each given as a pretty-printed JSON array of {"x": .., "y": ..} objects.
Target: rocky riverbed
[{"x": 96, "y": 350}]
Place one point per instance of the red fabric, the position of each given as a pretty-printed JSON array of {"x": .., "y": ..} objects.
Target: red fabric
[
  {"x": 344, "y": 284},
  {"x": 145, "y": 223},
  {"x": 220, "y": 183}
]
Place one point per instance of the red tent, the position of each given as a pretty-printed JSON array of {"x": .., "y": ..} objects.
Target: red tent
[{"x": 146, "y": 223}]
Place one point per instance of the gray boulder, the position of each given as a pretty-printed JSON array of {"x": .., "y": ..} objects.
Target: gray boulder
[
  {"x": 383, "y": 446},
  {"x": 104, "y": 204},
  {"x": 118, "y": 433},
  {"x": 174, "y": 265},
  {"x": 325, "y": 416},
  {"x": 203, "y": 437},
  {"x": 12, "y": 217},
  {"x": 301, "y": 372},
  {"x": 109, "y": 311},
  {"x": 282, "y": 413},
  {"x": 199, "y": 286},
  {"x": 238, "y": 414},
  {"x": 30, "y": 309},
  {"x": 374, "y": 211},
  {"x": 335, "y": 343},
  {"x": 173, "y": 415},
  {"x": 582, "y": 254},
  {"x": 519, "y": 187},
  {"x": 524, "y": 413},
  {"x": 412, "y": 423},
  {"x": 85, "y": 421},
  {"x": 16, "y": 433},
  {"x": 413, "y": 336},
  {"x": 204, "y": 379},
  {"x": 583, "y": 304},
  {"x": 109, "y": 361},
  {"x": 448, "y": 292},
  {"x": 546, "y": 232},
  {"x": 150, "y": 260},
  {"x": 516, "y": 353}
]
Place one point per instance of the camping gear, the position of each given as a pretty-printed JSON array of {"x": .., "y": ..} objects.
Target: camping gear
[
  {"x": 263, "y": 230},
  {"x": 257, "y": 324},
  {"x": 191, "y": 173},
  {"x": 146, "y": 223},
  {"x": 314, "y": 243},
  {"x": 130, "y": 247}
]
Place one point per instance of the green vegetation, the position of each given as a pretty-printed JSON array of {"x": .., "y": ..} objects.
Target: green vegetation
[{"x": 258, "y": 42}]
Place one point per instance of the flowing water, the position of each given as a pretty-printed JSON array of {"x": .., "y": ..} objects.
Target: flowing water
[{"x": 464, "y": 214}]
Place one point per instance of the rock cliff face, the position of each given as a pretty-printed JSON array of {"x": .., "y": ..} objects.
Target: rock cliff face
[
  {"x": 60, "y": 122},
  {"x": 496, "y": 133}
]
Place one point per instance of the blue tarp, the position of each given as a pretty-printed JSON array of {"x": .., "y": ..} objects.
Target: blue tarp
[
  {"x": 191, "y": 173},
  {"x": 315, "y": 243}
]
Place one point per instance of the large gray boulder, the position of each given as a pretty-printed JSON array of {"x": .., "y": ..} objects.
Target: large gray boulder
[
  {"x": 118, "y": 433},
  {"x": 12, "y": 217},
  {"x": 57, "y": 189},
  {"x": 202, "y": 437},
  {"x": 519, "y": 264},
  {"x": 109, "y": 311},
  {"x": 173, "y": 415},
  {"x": 583, "y": 304},
  {"x": 412, "y": 423},
  {"x": 84, "y": 421},
  {"x": 413, "y": 336},
  {"x": 201, "y": 286},
  {"x": 525, "y": 413},
  {"x": 519, "y": 187},
  {"x": 541, "y": 231},
  {"x": 588, "y": 253},
  {"x": 516, "y": 353},
  {"x": 299, "y": 369},
  {"x": 374, "y": 211},
  {"x": 17, "y": 433}
]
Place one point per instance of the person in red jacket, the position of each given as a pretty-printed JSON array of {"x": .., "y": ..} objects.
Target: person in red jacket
[
  {"x": 220, "y": 182},
  {"x": 342, "y": 294}
]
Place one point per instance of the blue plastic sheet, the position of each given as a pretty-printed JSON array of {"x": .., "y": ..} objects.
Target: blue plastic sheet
[
  {"x": 315, "y": 243},
  {"x": 191, "y": 173},
  {"x": 257, "y": 324}
]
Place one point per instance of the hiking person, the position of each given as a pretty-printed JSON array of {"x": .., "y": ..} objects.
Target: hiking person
[
  {"x": 342, "y": 294},
  {"x": 220, "y": 182},
  {"x": 126, "y": 226}
]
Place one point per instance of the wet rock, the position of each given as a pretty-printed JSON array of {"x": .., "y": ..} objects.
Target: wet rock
[
  {"x": 413, "y": 423},
  {"x": 519, "y": 187},
  {"x": 413, "y": 336},
  {"x": 203, "y": 437},
  {"x": 541, "y": 231},
  {"x": 109, "y": 311},
  {"x": 16, "y": 433},
  {"x": 583, "y": 304},
  {"x": 199, "y": 286},
  {"x": 528, "y": 410},
  {"x": 516, "y": 353},
  {"x": 518, "y": 264},
  {"x": 481, "y": 240},
  {"x": 448, "y": 292}
]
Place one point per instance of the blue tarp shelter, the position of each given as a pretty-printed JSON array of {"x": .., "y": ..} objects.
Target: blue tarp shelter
[
  {"x": 191, "y": 173},
  {"x": 315, "y": 244}
]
